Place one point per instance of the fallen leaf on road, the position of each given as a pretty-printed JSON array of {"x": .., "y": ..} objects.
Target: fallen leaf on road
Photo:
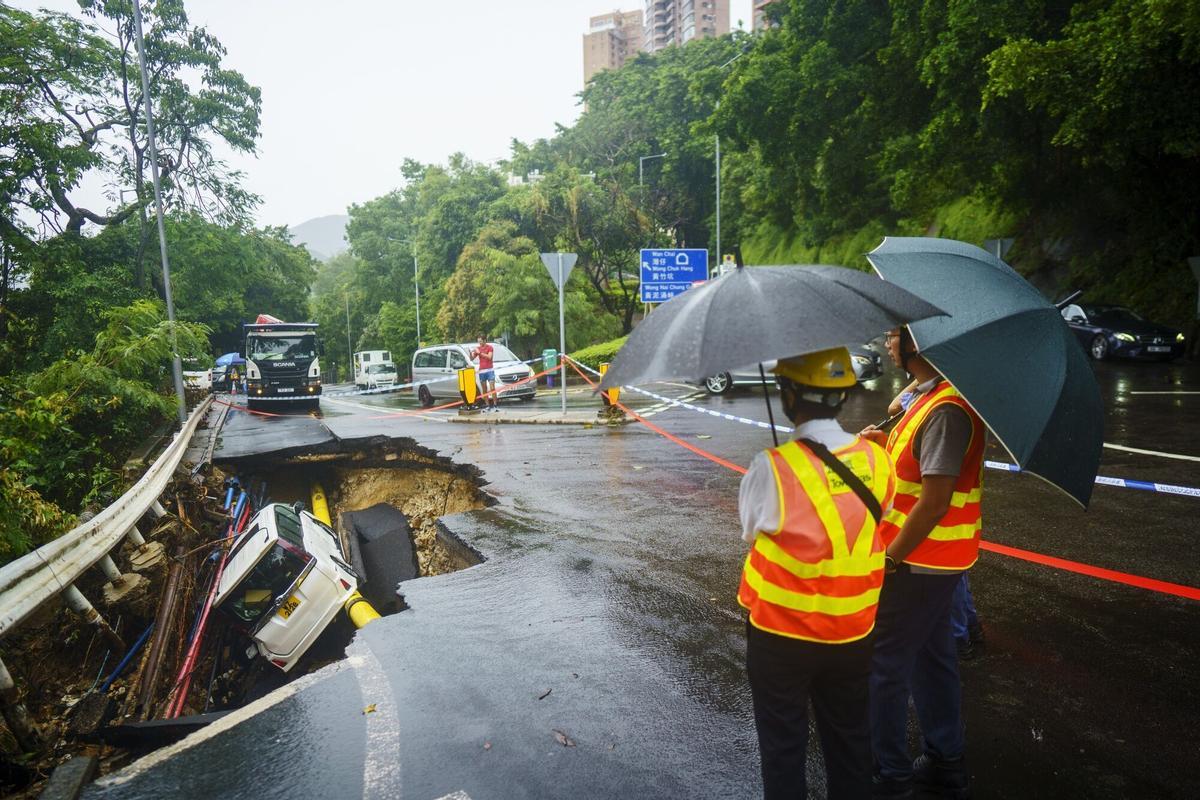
[
  {"x": 638, "y": 466},
  {"x": 703, "y": 436},
  {"x": 487, "y": 745},
  {"x": 563, "y": 739},
  {"x": 545, "y": 694},
  {"x": 369, "y": 709}
]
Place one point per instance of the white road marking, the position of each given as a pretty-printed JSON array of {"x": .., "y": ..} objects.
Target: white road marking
[
  {"x": 1140, "y": 451},
  {"x": 381, "y": 762},
  {"x": 1179, "y": 392}
]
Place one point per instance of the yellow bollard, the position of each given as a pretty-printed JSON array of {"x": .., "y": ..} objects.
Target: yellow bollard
[
  {"x": 609, "y": 396},
  {"x": 361, "y": 612},
  {"x": 320, "y": 506}
]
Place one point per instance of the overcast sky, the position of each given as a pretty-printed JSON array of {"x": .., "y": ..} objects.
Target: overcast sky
[{"x": 352, "y": 88}]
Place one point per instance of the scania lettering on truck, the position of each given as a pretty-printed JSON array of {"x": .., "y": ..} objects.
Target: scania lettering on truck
[
  {"x": 373, "y": 369},
  {"x": 282, "y": 363}
]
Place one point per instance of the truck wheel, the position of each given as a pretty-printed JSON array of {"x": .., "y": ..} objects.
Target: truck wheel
[
  {"x": 424, "y": 397},
  {"x": 1100, "y": 347}
]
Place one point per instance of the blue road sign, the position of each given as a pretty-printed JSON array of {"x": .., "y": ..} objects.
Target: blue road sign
[{"x": 666, "y": 273}]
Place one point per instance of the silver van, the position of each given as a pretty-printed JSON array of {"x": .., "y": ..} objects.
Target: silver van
[{"x": 435, "y": 372}]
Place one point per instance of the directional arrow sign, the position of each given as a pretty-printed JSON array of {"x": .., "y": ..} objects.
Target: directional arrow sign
[{"x": 559, "y": 265}]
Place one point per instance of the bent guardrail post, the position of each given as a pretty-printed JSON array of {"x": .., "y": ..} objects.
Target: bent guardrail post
[
  {"x": 80, "y": 605},
  {"x": 135, "y": 537},
  {"x": 109, "y": 568},
  {"x": 15, "y": 714},
  {"x": 157, "y": 509}
]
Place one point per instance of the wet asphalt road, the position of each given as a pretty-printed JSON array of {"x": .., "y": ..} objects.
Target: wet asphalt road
[{"x": 613, "y": 559}]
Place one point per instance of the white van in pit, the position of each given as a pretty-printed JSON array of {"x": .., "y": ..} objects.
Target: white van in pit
[
  {"x": 285, "y": 580},
  {"x": 435, "y": 370},
  {"x": 373, "y": 369}
]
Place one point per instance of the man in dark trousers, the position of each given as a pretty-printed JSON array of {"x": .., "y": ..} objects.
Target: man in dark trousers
[
  {"x": 810, "y": 508},
  {"x": 932, "y": 537}
]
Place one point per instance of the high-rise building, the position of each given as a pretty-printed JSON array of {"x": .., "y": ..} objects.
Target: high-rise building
[
  {"x": 611, "y": 40},
  {"x": 671, "y": 22},
  {"x": 760, "y": 18}
]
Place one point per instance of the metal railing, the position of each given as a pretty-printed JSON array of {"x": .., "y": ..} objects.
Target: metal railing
[{"x": 52, "y": 569}]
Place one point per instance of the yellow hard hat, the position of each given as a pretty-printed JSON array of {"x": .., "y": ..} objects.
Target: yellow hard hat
[{"x": 826, "y": 369}]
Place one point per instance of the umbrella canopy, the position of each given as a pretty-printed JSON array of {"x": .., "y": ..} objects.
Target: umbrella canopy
[
  {"x": 758, "y": 314},
  {"x": 229, "y": 358},
  {"x": 1008, "y": 352}
]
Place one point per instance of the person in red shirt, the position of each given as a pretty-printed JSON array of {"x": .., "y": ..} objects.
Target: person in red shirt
[{"x": 487, "y": 373}]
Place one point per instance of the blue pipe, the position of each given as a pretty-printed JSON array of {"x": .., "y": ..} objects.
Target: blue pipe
[{"x": 125, "y": 661}]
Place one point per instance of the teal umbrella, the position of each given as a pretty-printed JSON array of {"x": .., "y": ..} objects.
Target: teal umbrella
[{"x": 1008, "y": 352}]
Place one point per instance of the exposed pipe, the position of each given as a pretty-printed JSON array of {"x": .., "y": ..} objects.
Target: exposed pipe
[{"x": 166, "y": 612}]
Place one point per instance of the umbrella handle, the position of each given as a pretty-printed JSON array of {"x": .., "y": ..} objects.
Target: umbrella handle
[
  {"x": 766, "y": 396},
  {"x": 889, "y": 422}
]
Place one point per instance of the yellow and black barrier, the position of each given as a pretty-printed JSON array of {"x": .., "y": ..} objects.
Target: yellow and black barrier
[{"x": 468, "y": 388}]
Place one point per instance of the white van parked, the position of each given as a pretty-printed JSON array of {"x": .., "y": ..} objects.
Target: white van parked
[
  {"x": 285, "y": 580},
  {"x": 373, "y": 369},
  {"x": 435, "y": 370}
]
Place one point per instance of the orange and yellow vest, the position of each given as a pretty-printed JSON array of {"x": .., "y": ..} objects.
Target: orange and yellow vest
[
  {"x": 953, "y": 544},
  {"x": 817, "y": 576}
]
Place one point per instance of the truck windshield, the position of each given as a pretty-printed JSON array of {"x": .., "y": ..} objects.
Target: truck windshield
[
  {"x": 255, "y": 594},
  {"x": 381, "y": 369},
  {"x": 278, "y": 348}
]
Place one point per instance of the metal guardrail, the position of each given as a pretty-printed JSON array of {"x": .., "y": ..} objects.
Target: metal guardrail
[{"x": 54, "y": 567}]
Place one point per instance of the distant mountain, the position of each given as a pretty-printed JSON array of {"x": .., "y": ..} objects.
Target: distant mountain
[{"x": 323, "y": 237}]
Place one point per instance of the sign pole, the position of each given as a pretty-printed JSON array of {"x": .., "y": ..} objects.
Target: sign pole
[{"x": 562, "y": 339}]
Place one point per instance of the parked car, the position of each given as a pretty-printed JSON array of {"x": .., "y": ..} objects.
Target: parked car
[
  {"x": 1106, "y": 331},
  {"x": 867, "y": 364},
  {"x": 434, "y": 370}
]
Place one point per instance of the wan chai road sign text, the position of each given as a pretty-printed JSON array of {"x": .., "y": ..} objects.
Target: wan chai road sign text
[{"x": 667, "y": 273}]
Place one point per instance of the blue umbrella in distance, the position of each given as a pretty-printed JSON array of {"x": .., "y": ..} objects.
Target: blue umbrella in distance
[
  {"x": 229, "y": 358},
  {"x": 1008, "y": 352}
]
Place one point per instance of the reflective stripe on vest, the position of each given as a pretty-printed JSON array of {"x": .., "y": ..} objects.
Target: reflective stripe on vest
[
  {"x": 953, "y": 544},
  {"x": 808, "y": 579}
]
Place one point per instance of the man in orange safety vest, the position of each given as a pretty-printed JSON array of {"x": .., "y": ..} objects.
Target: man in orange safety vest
[
  {"x": 932, "y": 537},
  {"x": 811, "y": 509}
]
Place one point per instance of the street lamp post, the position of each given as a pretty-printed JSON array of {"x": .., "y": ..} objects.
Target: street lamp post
[
  {"x": 177, "y": 366},
  {"x": 642, "y": 160},
  {"x": 349, "y": 347},
  {"x": 717, "y": 139}
]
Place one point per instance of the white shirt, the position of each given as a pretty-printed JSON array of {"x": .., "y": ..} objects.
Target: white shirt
[{"x": 758, "y": 498}]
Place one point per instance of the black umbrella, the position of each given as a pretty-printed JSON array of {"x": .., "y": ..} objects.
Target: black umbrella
[
  {"x": 757, "y": 314},
  {"x": 1007, "y": 350}
]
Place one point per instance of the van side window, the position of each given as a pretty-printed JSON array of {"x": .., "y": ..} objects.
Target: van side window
[
  {"x": 456, "y": 360},
  {"x": 387, "y": 356},
  {"x": 431, "y": 358}
]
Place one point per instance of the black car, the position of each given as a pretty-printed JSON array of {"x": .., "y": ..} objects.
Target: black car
[{"x": 1106, "y": 331}]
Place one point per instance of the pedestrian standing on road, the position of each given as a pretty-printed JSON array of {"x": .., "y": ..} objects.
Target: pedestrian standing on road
[
  {"x": 811, "y": 508},
  {"x": 932, "y": 537},
  {"x": 487, "y": 374}
]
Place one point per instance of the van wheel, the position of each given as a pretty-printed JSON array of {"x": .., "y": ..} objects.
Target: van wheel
[
  {"x": 425, "y": 398},
  {"x": 1099, "y": 348}
]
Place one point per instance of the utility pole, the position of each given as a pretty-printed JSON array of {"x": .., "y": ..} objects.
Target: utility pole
[
  {"x": 417, "y": 296},
  {"x": 177, "y": 365},
  {"x": 717, "y": 137}
]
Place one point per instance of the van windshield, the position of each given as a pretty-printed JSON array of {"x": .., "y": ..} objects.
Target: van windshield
[
  {"x": 500, "y": 353},
  {"x": 255, "y": 594}
]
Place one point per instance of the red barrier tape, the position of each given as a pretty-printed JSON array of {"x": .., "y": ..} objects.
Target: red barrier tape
[{"x": 1077, "y": 567}]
